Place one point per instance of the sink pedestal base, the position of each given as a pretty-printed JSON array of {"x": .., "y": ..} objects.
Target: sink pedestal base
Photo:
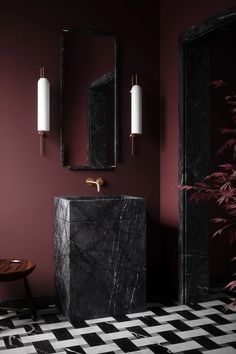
[{"x": 100, "y": 264}]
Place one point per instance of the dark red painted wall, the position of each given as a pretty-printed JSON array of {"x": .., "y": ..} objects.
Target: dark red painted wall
[
  {"x": 29, "y": 36},
  {"x": 176, "y": 17}
]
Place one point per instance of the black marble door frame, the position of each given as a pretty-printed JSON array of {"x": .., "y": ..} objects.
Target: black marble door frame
[{"x": 194, "y": 153}]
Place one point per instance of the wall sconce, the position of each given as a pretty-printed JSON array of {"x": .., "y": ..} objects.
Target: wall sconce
[
  {"x": 136, "y": 110},
  {"x": 43, "y": 108}
]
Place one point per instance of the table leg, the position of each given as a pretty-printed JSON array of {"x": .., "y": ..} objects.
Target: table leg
[{"x": 30, "y": 299}]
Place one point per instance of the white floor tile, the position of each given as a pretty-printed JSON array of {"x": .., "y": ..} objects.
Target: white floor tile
[
  {"x": 12, "y": 332},
  {"x": 78, "y": 331},
  {"x": 68, "y": 343},
  {"x": 101, "y": 349},
  {"x": 23, "y": 350},
  {"x": 192, "y": 333},
  {"x": 140, "y": 314},
  {"x": 230, "y": 316},
  {"x": 38, "y": 337},
  {"x": 127, "y": 324},
  {"x": 99, "y": 320},
  {"x": 116, "y": 335},
  {"x": 26, "y": 321},
  {"x": 227, "y": 338},
  {"x": 3, "y": 317},
  {"x": 206, "y": 312},
  {"x": 225, "y": 350},
  {"x": 177, "y": 308},
  {"x": 228, "y": 327},
  {"x": 198, "y": 323},
  {"x": 141, "y": 342},
  {"x": 50, "y": 326},
  {"x": 212, "y": 303},
  {"x": 175, "y": 348},
  {"x": 167, "y": 318},
  {"x": 160, "y": 328},
  {"x": 142, "y": 351}
]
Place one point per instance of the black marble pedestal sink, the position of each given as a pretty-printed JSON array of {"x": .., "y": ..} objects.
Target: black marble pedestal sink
[{"x": 100, "y": 260}]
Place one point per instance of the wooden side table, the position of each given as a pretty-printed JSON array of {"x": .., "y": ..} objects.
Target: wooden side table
[{"x": 15, "y": 269}]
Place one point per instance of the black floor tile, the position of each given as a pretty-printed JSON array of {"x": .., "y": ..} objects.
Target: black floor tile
[
  {"x": 188, "y": 315},
  {"x": 159, "y": 311},
  {"x": 6, "y": 324},
  {"x": 180, "y": 325},
  {"x": 62, "y": 334},
  {"x": 50, "y": 318},
  {"x": 13, "y": 341},
  {"x": 44, "y": 346},
  {"x": 223, "y": 309},
  {"x": 107, "y": 327},
  {"x": 93, "y": 339},
  {"x": 126, "y": 345},
  {"x": 33, "y": 328},
  {"x": 121, "y": 318},
  {"x": 233, "y": 344},
  {"x": 149, "y": 321},
  {"x": 197, "y": 307},
  {"x": 213, "y": 330},
  {"x": 218, "y": 319},
  {"x": 226, "y": 300},
  {"x": 75, "y": 349},
  {"x": 80, "y": 323},
  {"x": 158, "y": 349},
  {"x": 206, "y": 343},
  {"x": 138, "y": 332},
  {"x": 171, "y": 337}
]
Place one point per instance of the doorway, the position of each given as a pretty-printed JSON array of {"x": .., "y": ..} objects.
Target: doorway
[{"x": 198, "y": 66}]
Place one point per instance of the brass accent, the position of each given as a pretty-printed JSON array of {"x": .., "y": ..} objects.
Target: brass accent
[
  {"x": 98, "y": 182},
  {"x": 134, "y": 80},
  {"x": 41, "y": 71},
  {"x": 132, "y": 136},
  {"x": 41, "y": 142}
]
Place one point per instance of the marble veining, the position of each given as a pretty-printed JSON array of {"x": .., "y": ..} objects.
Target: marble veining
[
  {"x": 100, "y": 260},
  {"x": 194, "y": 70}
]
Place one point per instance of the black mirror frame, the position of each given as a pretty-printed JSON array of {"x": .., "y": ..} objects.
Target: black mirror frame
[{"x": 63, "y": 158}]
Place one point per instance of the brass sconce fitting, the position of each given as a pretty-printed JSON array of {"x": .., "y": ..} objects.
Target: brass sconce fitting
[{"x": 98, "y": 182}]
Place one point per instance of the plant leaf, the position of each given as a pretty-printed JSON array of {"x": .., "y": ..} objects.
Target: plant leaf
[
  {"x": 218, "y": 220},
  {"x": 228, "y": 144},
  {"x": 231, "y": 285},
  {"x": 217, "y": 83},
  {"x": 227, "y": 166}
]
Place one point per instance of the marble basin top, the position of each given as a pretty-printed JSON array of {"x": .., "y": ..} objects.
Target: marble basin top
[{"x": 96, "y": 208}]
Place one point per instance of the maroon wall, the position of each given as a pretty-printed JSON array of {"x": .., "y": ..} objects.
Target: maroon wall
[
  {"x": 29, "y": 36},
  {"x": 176, "y": 17}
]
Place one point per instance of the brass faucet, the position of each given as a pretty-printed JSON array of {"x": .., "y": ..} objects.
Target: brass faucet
[{"x": 98, "y": 182}]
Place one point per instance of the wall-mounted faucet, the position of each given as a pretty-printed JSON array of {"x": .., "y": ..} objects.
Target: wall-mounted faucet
[{"x": 98, "y": 182}]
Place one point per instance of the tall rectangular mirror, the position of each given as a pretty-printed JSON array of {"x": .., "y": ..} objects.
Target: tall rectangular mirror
[{"x": 89, "y": 100}]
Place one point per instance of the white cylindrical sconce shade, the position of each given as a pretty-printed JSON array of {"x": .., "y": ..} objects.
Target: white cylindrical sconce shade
[
  {"x": 136, "y": 109},
  {"x": 43, "y": 104}
]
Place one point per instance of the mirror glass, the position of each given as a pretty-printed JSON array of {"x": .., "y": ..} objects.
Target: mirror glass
[{"x": 89, "y": 100}]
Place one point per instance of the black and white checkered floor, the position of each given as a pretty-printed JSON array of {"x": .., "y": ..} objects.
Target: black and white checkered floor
[{"x": 201, "y": 328}]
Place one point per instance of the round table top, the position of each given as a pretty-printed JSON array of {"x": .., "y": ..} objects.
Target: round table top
[{"x": 14, "y": 269}]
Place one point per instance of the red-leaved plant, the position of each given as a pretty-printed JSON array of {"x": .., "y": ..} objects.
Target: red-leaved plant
[{"x": 220, "y": 185}]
